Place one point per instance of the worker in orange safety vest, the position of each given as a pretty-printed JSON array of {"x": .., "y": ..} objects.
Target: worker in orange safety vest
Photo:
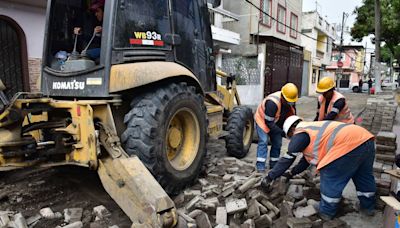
[
  {"x": 269, "y": 118},
  {"x": 332, "y": 105},
  {"x": 340, "y": 151}
]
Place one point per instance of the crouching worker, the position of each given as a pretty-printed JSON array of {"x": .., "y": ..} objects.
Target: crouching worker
[
  {"x": 269, "y": 117},
  {"x": 340, "y": 151}
]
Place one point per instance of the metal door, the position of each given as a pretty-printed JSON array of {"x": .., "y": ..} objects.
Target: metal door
[
  {"x": 283, "y": 64},
  {"x": 12, "y": 65},
  {"x": 306, "y": 70}
]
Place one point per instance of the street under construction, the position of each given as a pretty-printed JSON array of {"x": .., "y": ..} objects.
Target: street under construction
[{"x": 136, "y": 125}]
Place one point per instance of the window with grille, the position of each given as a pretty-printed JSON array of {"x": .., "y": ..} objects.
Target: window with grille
[
  {"x": 294, "y": 23},
  {"x": 281, "y": 24},
  {"x": 266, "y": 6}
]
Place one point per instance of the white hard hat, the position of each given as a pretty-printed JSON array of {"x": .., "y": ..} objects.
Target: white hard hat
[{"x": 289, "y": 122}]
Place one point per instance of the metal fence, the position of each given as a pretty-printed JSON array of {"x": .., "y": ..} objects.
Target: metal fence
[{"x": 246, "y": 69}]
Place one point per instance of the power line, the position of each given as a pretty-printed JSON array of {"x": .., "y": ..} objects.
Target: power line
[{"x": 274, "y": 19}]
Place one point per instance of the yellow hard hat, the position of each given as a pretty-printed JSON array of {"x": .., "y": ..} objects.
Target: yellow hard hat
[
  {"x": 325, "y": 84},
  {"x": 290, "y": 92}
]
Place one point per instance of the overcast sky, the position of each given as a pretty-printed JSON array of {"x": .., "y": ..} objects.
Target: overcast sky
[{"x": 333, "y": 11}]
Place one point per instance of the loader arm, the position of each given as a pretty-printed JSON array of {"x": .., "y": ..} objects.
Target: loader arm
[
  {"x": 44, "y": 132},
  {"x": 132, "y": 186}
]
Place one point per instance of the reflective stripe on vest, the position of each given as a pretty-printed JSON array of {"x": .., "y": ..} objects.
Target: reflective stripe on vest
[
  {"x": 344, "y": 115},
  {"x": 260, "y": 117},
  {"x": 328, "y": 142}
]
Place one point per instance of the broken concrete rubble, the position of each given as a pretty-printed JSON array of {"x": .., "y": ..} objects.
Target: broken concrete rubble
[
  {"x": 77, "y": 224},
  {"x": 203, "y": 221},
  {"x": 101, "y": 212},
  {"x": 295, "y": 191},
  {"x": 239, "y": 198},
  {"x": 19, "y": 221},
  {"x": 307, "y": 211},
  {"x": 248, "y": 184},
  {"x": 237, "y": 205},
  {"x": 72, "y": 215},
  {"x": 47, "y": 213},
  {"x": 186, "y": 217},
  {"x": 299, "y": 222},
  {"x": 33, "y": 219},
  {"x": 253, "y": 210},
  {"x": 221, "y": 216}
]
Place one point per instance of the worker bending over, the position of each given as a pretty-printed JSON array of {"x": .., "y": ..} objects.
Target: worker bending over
[
  {"x": 269, "y": 117},
  {"x": 340, "y": 151},
  {"x": 332, "y": 105}
]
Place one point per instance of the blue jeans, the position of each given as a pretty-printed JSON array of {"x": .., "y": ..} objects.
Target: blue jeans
[
  {"x": 262, "y": 148},
  {"x": 356, "y": 165},
  {"x": 93, "y": 53}
]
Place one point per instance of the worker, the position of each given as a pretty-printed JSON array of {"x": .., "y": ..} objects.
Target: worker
[
  {"x": 97, "y": 7},
  {"x": 332, "y": 105},
  {"x": 369, "y": 85},
  {"x": 269, "y": 117},
  {"x": 340, "y": 152}
]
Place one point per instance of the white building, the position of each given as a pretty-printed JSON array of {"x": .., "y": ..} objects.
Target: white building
[
  {"x": 222, "y": 37},
  {"x": 23, "y": 22},
  {"x": 270, "y": 52},
  {"x": 320, "y": 35}
]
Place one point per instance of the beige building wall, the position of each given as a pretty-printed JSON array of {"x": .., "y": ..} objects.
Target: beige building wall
[{"x": 30, "y": 15}]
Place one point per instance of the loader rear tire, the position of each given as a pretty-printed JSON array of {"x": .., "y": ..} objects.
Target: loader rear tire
[
  {"x": 167, "y": 130},
  {"x": 240, "y": 127}
]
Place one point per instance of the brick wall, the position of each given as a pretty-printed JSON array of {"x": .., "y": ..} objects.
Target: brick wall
[{"x": 34, "y": 73}]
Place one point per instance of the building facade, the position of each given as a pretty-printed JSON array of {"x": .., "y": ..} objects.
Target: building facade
[
  {"x": 318, "y": 40},
  {"x": 348, "y": 76},
  {"x": 270, "y": 52},
  {"x": 222, "y": 37},
  {"x": 22, "y": 23}
]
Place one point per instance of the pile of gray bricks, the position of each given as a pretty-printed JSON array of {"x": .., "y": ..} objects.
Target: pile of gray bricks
[
  {"x": 384, "y": 160},
  {"x": 380, "y": 113},
  {"x": 229, "y": 195}
]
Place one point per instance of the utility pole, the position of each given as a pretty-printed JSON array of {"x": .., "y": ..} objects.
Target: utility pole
[
  {"x": 365, "y": 60},
  {"x": 377, "y": 46},
  {"x": 340, "y": 52}
]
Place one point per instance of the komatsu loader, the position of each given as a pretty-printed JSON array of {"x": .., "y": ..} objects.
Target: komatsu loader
[{"x": 139, "y": 114}]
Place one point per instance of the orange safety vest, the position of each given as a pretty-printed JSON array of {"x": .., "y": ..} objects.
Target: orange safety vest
[
  {"x": 344, "y": 115},
  {"x": 330, "y": 140},
  {"x": 259, "y": 116}
]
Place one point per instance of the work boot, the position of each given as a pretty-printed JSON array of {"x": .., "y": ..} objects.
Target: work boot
[
  {"x": 364, "y": 211},
  {"x": 324, "y": 217},
  {"x": 260, "y": 166}
]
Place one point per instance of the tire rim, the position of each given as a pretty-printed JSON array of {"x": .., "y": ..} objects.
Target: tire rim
[
  {"x": 247, "y": 133},
  {"x": 182, "y": 139}
]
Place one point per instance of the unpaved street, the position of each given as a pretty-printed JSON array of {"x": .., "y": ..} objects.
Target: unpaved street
[{"x": 27, "y": 191}]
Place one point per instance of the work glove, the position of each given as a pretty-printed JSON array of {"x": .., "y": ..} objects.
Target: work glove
[
  {"x": 266, "y": 184},
  {"x": 288, "y": 175}
]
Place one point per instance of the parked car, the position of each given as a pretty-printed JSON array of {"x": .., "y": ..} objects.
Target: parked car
[
  {"x": 390, "y": 84},
  {"x": 356, "y": 89}
]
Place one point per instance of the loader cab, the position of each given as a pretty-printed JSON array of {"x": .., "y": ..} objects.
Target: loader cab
[{"x": 132, "y": 31}]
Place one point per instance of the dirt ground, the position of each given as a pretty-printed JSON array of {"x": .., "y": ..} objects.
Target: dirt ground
[{"x": 27, "y": 191}]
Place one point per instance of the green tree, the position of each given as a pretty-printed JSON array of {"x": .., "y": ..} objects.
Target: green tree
[{"x": 390, "y": 27}]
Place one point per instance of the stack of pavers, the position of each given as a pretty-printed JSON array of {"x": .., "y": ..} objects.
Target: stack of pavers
[
  {"x": 229, "y": 195},
  {"x": 389, "y": 114},
  {"x": 379, "y": 113},
  {"x": 384, "y": 160},
  {"x": 369, "y": 113}
]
